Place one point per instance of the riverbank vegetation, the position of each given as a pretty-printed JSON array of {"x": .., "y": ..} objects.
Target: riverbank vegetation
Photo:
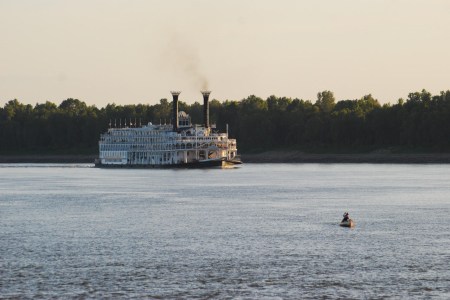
[{"x": 419, "y": 123}]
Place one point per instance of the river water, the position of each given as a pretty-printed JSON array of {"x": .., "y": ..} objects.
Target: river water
[{"x": 265, "y": 231}]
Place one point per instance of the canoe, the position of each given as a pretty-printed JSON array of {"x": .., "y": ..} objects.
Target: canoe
[{"x": 348, "y": 223}]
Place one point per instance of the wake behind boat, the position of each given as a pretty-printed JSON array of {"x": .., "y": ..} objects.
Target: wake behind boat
[{"x": 181, "y": 145}]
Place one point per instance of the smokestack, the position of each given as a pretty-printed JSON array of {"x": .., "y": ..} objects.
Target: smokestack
[
  {"x": 206, "y": 108},
  {"x": 175, "y": 109}
]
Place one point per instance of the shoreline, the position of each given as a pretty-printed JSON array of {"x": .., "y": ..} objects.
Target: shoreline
[
  {"x": 47, "y": 159},
  {"x": 371, "y": 158},
  {"x": 268, "y": 157}
]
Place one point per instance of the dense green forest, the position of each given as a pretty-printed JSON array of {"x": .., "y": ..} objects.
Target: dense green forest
[{"x": 419, "y": 123}]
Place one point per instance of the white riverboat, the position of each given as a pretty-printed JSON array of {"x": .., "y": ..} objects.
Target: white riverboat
[{"x": 181, "y": 144}]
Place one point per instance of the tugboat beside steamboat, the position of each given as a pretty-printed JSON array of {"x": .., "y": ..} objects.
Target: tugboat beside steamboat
[{"x": 168, "y": 146}]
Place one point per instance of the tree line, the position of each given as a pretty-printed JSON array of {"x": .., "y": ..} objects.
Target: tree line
[{"x": 421, "y": 122}]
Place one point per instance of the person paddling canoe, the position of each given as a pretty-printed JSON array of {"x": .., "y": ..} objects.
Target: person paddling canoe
[
  {"x": 346, "y": 217},
  {"x": 346, "y": 221}
]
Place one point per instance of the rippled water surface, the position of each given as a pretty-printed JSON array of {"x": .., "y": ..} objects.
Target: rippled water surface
[{"x": 260, "y": 231}]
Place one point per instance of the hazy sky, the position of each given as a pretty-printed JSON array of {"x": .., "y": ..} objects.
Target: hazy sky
[{"x": 136, "y": 51}]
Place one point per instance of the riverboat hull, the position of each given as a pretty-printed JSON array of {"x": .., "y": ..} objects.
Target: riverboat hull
[{"x": 216, "y": 163}]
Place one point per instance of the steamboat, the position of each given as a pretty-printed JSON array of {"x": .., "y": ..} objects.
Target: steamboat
[{"x": 180, "y": 145}]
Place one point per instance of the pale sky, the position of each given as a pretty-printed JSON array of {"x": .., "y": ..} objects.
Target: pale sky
[{"x": 136, "y": 51}]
